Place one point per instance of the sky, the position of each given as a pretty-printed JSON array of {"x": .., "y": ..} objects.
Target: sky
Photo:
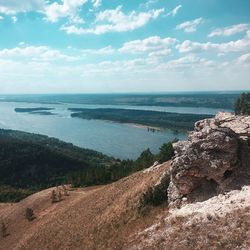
[{"x": 103, "y": 46}]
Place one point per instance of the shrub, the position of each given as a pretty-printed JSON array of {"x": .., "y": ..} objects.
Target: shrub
[
  {"x": 3, "y": 230},
  {"x": 65, "y": 191},
  {"x": 53, "y": 196},
  {"x": 59, "y": 196},
  {"x": 29, "y": 214},
  {"x": 156, "y": 195}
]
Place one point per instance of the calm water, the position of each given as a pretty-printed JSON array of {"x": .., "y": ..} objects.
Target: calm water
[{"x": 118, "y": 140}]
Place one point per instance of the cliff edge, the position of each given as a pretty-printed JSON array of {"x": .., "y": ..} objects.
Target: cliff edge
[{"x": 214, "y": 159}]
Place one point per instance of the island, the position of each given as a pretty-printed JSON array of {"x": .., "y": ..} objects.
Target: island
[
  {"x": 149, "y": 119},
  {"x": 38, "y": 111}
]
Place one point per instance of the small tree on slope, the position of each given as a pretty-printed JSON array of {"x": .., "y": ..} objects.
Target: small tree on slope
[{"x": 3, "y": 230}]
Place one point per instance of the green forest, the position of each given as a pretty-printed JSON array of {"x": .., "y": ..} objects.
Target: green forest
[
  {"x": 31, "y": 162},
  {"x": 149, "y": 118}
]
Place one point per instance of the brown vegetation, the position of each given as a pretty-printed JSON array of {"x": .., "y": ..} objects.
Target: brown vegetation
[{"x": 100, "y": 217}]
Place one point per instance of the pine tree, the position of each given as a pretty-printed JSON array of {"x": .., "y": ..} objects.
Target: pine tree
[
  {"x": 59, "y": 196},
  {"x": 65, "y": 191},
  {"x": 29, "y": 214},
  {"x": 53, "y": 196},
  {"x": 4, "y": 230}
]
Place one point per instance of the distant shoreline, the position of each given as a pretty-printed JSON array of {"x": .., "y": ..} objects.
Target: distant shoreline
[
  {"x": 152, "y": 120},
  {"x": 136, "y": 125}
]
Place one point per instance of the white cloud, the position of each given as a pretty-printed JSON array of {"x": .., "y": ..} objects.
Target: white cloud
[
  {"x": 52, "y": 10},
  {"x": 12, "y": 7},
  {"x": 244, "y": 59},
  {"x": 174, "y": 11},
  {"x": 188, "y": 62},
  {"x": 68, "y": 8},
  {"x": 184, "y": 73},
  {"x": 103, "y": 51},
  {"x": 160, "y": 53},
  {"x": 1, "y": 17},
  {"x": 149, "y": 45},
  {"x": 115, "y": 21},
  {"x": 232, "y": 46},
  {"x": 96, "y": 3},
  {"x": 229, "y": 31},
  {"x": 14, "y": 19},
  {"x": 35, "y": 53},
  {"x": 190, "y": 26},
  {"x": 148, "y": 3}
]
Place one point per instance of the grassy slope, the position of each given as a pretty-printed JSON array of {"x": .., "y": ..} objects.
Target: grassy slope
[
  {"x": 90, "y": 218},
  {"x": 107, "y": 217}
]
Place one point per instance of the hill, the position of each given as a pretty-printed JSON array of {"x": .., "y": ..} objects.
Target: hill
[
  {"x": 224, "y": 100},
  {"x": 111, "y": 217},
  {"x": 97, "y": 217},
  {"x": 198, "y": 200},
  {"x": 31, "y": 162},
  {"x": 34, "y": 162}
]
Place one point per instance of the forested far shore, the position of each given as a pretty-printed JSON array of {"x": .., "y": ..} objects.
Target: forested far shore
[
  {"x": 217, "y": 100},
  {"x": 164, "y": 120}
]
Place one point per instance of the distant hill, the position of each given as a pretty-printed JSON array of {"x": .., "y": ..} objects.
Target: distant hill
[
  {"x": 32, "y": 161},
  {"x": 221, "y": 100}
]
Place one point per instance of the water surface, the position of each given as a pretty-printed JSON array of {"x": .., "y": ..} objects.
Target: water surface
[{"x": 114, "y": 139}]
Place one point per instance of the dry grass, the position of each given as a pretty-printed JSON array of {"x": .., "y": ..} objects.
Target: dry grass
[
  {"x": 90, "y": 218},
  {"x": 107, "y": 217},
  {"x": 222, "y": 222}
]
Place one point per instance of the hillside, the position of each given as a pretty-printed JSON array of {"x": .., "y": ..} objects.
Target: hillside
[
  {"x": 108, "y": 217},
  {"x": 198, "y": 200},
  {"x": 98, "y": 217},
  {"x": 34, "y": 162}
]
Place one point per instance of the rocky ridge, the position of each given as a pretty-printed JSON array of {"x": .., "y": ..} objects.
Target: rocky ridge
[{"x": 214, "y": 159}]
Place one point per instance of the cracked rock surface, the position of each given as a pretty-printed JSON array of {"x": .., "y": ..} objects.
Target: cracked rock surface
[{"x": 214, "y": 159}]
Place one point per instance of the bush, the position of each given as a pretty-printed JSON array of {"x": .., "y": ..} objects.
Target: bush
[
  {"x": 29, "y": 214},
  {"x": 53, "y": 196},
  {"x": 156, "y": 195},
  {"x": 4, "y": 230}
]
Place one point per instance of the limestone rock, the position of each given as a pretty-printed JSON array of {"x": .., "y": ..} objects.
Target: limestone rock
[{"x": 214, "y": 159}]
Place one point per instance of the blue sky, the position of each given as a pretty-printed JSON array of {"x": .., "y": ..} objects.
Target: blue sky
[{"x": 69, "y": 46}]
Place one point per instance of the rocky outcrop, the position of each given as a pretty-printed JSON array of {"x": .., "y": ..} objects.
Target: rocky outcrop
[{"x": 214, "y": 159}]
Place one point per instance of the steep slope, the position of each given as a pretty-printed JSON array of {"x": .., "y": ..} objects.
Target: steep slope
[
  {"x": 35, "y": 162},
  {"x": 202, "y": 198},
  {"x": 222, "y": 222},
  {"x": 92, "y": 218},
  {"x": 108, "y": 217}
]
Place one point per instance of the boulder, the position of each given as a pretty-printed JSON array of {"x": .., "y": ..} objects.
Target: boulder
[{"x": 214, "y": 159}]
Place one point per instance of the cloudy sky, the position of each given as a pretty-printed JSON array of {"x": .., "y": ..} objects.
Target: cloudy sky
[{"x": 55, "y": 46}]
